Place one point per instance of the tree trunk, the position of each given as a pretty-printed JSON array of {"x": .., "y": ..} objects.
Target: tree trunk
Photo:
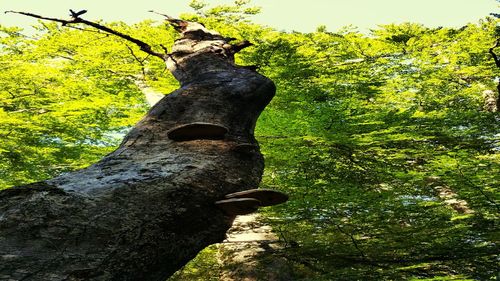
[{"x": 146, "y": 209}]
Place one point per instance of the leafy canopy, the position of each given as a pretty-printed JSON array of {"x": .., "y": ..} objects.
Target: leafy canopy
[{"x": 382, "y": 142}]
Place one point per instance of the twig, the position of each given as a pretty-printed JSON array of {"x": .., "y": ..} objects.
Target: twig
[
  {"x": 470, "y": 183},
  {"x": 178, "y": 25},
  {"x": 351, "y": 237},
  {"x": 167, "y": 16},
  {"x": 282, "y": 236},
  {"x": 140, "y": 61},
  {"x": 353, "y": 240},
  {"x": 64, "y": 22}
]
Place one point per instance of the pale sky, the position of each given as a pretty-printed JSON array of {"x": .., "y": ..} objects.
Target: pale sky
[{"x": 299, "y": 15}]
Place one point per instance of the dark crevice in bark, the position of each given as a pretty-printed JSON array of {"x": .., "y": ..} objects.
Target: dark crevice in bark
[{"x": 146, "y": 209}]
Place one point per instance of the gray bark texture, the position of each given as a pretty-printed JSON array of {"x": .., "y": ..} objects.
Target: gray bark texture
[{"x": 146, "y": 209}]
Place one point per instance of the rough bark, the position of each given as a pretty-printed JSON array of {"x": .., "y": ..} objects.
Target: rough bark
[{"x": 146, "y": 209}]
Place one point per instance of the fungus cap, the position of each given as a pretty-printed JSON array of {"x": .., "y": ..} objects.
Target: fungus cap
[
  {"x": 266, "y": 197},
  {"x": 197, "y": 130},
  {"x": 238, "y": 206}
]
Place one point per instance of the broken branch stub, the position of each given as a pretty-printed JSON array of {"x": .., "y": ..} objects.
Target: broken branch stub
[{"x": 147, "y": 208}]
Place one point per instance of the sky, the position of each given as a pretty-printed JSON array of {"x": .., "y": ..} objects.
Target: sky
[{"x": 288, "y": 15}]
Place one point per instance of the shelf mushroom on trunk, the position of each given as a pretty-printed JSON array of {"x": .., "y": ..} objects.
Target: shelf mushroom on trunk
[
  {"x": 248, "y": 201},
  {"x": 197, "y": 130},
  {"x": 266, "y": 197}
]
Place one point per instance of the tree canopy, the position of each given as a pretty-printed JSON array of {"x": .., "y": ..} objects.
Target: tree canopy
[{"x": 383, "y": 141}]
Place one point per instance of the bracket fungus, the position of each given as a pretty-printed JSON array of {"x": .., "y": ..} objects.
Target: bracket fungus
[
  {"x": 238, "y": 206},
  {"x": 266, "y": 197},
  {"x": 197, "y": 130}
]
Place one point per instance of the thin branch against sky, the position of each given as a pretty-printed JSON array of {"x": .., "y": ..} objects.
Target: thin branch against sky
[{"x": 287, "y": 15}]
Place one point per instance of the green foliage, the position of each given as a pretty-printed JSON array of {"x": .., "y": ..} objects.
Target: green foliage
[
  {"x": 365, "y": 133},
  {"x": 204, "y": 267},
  {"x": 222, "y": 14},
  {"x": 381, "y": 141},
  {"x": 67, "y": 96}
]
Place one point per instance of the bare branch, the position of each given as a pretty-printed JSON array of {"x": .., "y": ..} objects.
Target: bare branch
[
  {"x": 64, "y": 22},
  {"x": 495, "y": 57},
  {"x": 164, "y": 49},
  {"x": 139, "y": 60},
  {"x": 86, "y": 30},
  {"x": 142, "y": 45},
  {"x": 167, "y": 16}
]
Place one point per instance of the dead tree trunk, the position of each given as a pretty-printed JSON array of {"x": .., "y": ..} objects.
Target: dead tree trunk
[{"x": 146, "y": 209}]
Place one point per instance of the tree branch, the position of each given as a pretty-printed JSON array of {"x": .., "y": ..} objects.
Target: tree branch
[
  {"x": 495, "y": 57},
  {"x": 241, "y": 45},
  {"x": 145, "y": 47},
  {"x": 140, "y": 61},
  {"x": 64, "y": 22}
]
